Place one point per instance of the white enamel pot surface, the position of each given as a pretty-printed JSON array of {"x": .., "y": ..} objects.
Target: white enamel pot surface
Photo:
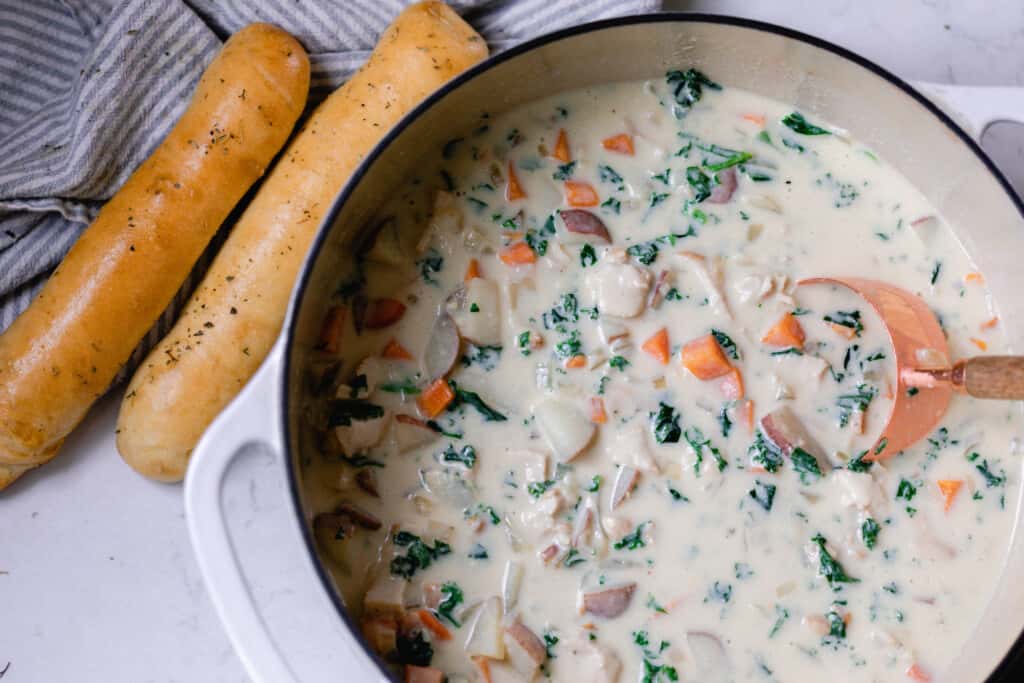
[{"x": 320, "y": 642}]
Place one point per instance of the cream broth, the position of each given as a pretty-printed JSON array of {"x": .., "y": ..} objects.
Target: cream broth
[{"x": 649, "y": 459}]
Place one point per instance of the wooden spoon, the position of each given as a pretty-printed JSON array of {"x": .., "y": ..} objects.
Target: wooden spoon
[{"x": 922, "y": 363}]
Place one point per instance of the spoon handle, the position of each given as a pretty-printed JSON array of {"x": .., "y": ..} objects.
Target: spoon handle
[{"x": 1000, "y": 377}]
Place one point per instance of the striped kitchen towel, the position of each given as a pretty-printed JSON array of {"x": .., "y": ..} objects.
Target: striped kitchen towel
[{"x": 88, "y": 88}]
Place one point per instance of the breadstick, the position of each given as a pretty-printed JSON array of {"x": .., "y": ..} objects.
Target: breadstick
[
  {"x": 62, "y": 353},
  {"x": 236, "y": 313}
]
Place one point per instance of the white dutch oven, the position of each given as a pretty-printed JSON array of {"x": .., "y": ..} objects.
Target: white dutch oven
[{"x": 320, "y": 641}]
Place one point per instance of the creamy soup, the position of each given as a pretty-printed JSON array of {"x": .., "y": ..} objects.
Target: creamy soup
[{"x": 577, "y": 420}]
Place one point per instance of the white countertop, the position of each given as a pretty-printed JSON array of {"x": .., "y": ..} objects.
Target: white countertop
[{"x": 97, "y": 577}]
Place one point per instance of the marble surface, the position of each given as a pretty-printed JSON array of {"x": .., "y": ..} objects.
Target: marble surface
[{"x": 97, "y": 577}]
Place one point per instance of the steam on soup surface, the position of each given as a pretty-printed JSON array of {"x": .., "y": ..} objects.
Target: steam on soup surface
[{"x": 577, "y": 421}]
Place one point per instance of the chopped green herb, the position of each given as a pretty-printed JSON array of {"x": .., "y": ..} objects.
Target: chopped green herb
[
  {"x": 859, "y": 464},
  {"x": 402, "y": 387},
  {"x": 906, "y": 490},
  {"x": 733, "y": 160},
  {"x": 487, "y": 357},
  {"x": 595, "y": 483},
  {"x": 477, "y": 552},
  {"x": 432, "y": 262},
  {"x": 724, "y": 422},
  {"x": 936, "y": 270},
  {"x": 451, "y": 597},
  {"x": 700, "y": 183},
  {"x": 539, "y": 488},
  {"x": 612, "y": 204},
  {"x": 619, "y": 363},
  {"x": 698, "y": 442},
  {"x": 523, "y": 342}
]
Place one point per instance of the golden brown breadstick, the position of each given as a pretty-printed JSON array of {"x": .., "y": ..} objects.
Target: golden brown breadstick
[
  {"x": 239, "y": 307},
  {"x": 66, "y": 348}
]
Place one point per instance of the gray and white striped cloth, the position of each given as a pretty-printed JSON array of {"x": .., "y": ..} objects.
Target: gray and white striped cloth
[{"x": 88, "y": 88}]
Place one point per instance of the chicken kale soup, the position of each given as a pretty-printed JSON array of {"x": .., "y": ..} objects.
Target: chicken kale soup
[{"x": 579, "y": 422}]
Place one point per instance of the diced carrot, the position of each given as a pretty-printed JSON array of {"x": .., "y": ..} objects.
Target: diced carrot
[
  {"x": 433, "y": 624},
  {"x": 580, "y": 194},
  {"x": 598, "y": 415},
  {"x": 755, "y": 118},
  {"x": 423, "y": 674},
  {"x": 517, "y": 254},
  {"x": 330, "y": 331},
  {"x": 786, "y": 333},
  {"x": 843, "y": 330},
  {"x": 704, "y": 358},
  {"x": 732, "y": 385},
  {"x": 657, "y": 346},
  {"x": 381, "y": 313},
  {"x": 949, "y": 489},
  {"x": 577, "y": 361},
  {"x": 472, "y": 270},
  {"x": 980, "y": 343},
  {"x": 562, "y": 147},
  {"x": 435, "y": 398},
  {"x": 484, "y": 665},
  {"x": 990, "y": 323},
  {"x": 916, "y": 673},
  {"x": 513, "y": 190},
  {"x": 974, "y": 277},
  {"x": 757, "y": 469},
  {"x": 395, "y": 351},
  {"x": 621, "y": 143},
  {"x": 748, "y": 415}
]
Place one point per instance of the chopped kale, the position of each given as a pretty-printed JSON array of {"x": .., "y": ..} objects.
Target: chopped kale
[
  {"x": 466, "y": 456},
  {"x": 487, "y": 357},
  {"x": 858, "y": 402},
  {"x": 588, "y": 256},
  {"x": 798, "y": 124},
  {"x": 665, "y": 424},
  {"x": 619, "y": 363},
  {"x": 432, "y": 262},
  {"x": 906, "y": 490},
  {"x": 342, "y": 411},
  {"x": 869, "y": 532},
  {"x": 849, "y": 319},
  {"x": 764, "y": 453},
  {"x": 687, "y": 88},
  {"x": 859, "y": 464},
  {"x": 700, "y": 183},
  {"x": 724, "y": 421},
  {"x": 413, "y": 649},
  {"x": 732, "y": 160},
  {"x": 463, "y": 397},
  {"x": 419, "y": 555},
  {"x": 763, "y": 493},
  {"x": 607, "y": 174},
  {"x": 632, "y": 541},
  {"x": 727, "y": 344},
  {"x": 828, "y": 567},
  {"x": 564, "y": 171},
  {"x": 806, "y": 464},
  {"x": 698, "y": 442}
]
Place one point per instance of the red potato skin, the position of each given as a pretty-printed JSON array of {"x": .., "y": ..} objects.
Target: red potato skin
[
  {"x": 722, "y": 193},
  {"x": 610, "y": 602},
  {"x": 583, "y": 222}
]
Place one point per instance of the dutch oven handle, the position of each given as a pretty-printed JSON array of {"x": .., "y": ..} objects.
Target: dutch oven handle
[
  {"x": 979, "y": 106},
  {"x": 248, "y": 422}
]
